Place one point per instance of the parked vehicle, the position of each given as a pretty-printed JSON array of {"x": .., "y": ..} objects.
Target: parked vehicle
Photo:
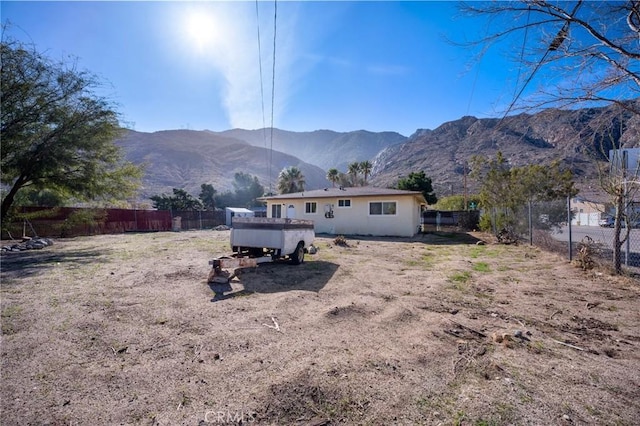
[{"x": 606, "y": 222}]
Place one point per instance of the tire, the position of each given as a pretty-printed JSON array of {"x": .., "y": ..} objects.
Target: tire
[{"x": 297, "y": 257}]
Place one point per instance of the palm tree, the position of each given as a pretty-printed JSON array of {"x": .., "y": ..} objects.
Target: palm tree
[
  {"x": 354, "y": 169},
  {"x": 333, "y": 175},
  {"x": 290, "y": 180},
  {"x": 365, "y": 168}
]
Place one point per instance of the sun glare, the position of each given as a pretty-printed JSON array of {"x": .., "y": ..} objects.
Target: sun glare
[{"x": 201, "y": 30}]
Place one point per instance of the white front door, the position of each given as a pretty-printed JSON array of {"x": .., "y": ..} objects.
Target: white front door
[{"x": 291, "y": 211}]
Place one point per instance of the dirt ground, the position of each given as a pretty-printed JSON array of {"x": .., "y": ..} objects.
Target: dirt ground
[{"x": 123, "y": 329}]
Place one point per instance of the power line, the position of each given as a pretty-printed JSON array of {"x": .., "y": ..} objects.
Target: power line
[
  {"x": 273, "y": 84},
  {"x": 524, "y": 42},
  {"x": 555, "y": 44},
  {"x": 264, "y": 125}
]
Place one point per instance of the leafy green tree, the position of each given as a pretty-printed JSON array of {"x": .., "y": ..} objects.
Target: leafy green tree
[
  {"x": 418, "y": 181},
  {"x": 180, "y": 200},
  {"x": 290, "y": 180},
  {"x": 247, "y": 189},
  {"x": 57, "y": 133},
  {"x": 456, "y": 202},
  {"x": 40, "y": 198},
  {"x": 333, "y": 176},
  {"x": 226, "y": 199},
  {"x": 496, "y": 190},
  {"x": 365, "y": 168},
  {"x": 507, "y": 189},
  {"x": 208, "y": 196}
]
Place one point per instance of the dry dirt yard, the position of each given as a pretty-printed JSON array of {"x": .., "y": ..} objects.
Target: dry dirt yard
[{"x": 123, "y": 329}]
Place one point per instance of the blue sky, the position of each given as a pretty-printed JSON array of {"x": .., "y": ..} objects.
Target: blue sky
[{"x": 378, "y": 66}]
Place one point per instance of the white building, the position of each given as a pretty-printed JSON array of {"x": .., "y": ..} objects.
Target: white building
[{"x": 232, "y": 212}]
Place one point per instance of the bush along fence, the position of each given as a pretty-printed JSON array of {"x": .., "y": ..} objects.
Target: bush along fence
[
  {"x": 564, "y": 226},
  {"x": 71, "y": 222}
]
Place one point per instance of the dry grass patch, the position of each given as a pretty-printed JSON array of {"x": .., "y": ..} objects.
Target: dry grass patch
[{"x": 434, "y": 329}]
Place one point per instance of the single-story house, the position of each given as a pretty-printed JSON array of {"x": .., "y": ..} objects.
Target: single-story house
[
  {"x": 361, "y": 210},
  {"x": 231, "y": 212}
]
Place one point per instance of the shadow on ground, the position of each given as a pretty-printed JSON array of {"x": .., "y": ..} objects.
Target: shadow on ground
[
  {"x": 27, "y": 263},
  {"x": 278, "y": 277}
]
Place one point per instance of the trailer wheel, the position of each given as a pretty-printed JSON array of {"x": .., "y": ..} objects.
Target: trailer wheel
[{"x": 297, "y": 257}]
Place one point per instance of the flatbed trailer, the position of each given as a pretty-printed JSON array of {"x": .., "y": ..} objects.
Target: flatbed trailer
[{"x": 260, "y": 240}]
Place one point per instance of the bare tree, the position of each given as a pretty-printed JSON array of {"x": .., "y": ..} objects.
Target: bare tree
[
  {"x": 587, "y": 50},
  {"x": 620, "y": 179},
  {"x": 586, "y": 54}
]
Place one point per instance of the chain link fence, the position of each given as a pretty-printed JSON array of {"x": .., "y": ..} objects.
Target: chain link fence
[{"x": 586, "y": 235}]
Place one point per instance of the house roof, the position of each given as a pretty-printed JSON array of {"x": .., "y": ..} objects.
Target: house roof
[
  {"x": 238, "y": 210},
  {"x": 350, "y": 192}
]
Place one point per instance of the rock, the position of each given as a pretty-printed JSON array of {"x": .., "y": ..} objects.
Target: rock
[
  {"x": 29, "y": 243},
  {"x": 312, "y": 249}
]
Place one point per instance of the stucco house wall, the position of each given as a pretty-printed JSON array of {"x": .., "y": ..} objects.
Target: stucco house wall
[{"x": 348, "y": 211}]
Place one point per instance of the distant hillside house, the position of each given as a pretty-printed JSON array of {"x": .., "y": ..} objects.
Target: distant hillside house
[
  {"x": 589, "y": 213},
  {"x": 362, "y": 210}
]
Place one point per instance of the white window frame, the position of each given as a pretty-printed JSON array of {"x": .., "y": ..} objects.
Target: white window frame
[
  {"x": 382, "y": 203},
  {"x": 277, "y": 209},
  {"x": 313, "y": 204},
  {"x": 344, "y": 200}
]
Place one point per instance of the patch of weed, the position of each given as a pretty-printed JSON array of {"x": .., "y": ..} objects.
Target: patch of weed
[
  {"x": 461, "y": 277},
  {"x": 476, "y": 251},
  {"x": 411, "y": 262},
  {"x": 11, "y": 311},
  {"x": 481, "y": 267},
  {"x": 459, "y": 418}
]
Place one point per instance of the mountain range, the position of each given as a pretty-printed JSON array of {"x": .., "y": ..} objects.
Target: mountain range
[{"x": 187, "y": 158}]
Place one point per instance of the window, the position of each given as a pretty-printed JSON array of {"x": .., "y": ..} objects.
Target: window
[
  {"x": 276, "y": 210},
  {"x": 382, "y": 208},
  {"x": 310, "y": 207},
  {"x": 344, "y": 203}
]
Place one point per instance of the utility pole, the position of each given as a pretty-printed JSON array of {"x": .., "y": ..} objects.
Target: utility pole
[{"x": 464, "y": 169}]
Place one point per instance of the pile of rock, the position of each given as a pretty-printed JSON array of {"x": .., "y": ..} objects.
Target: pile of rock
[{"x": 28, "y": 244}]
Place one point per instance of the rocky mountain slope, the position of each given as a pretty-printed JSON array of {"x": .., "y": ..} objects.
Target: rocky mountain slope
[
  {"x": 578, "y": 138},
  {"x": 188, "y": 158},
  {"x": 324, "y": 148}
]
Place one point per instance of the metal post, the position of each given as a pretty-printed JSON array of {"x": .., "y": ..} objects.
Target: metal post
[
  {"x": 530, "y": 226},
  {"x": 569, "y": 225},
  {"x": 627, "y": 212}
]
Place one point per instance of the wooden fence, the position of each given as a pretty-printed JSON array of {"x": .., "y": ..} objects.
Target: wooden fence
[{"x": 71, "y": 222}]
